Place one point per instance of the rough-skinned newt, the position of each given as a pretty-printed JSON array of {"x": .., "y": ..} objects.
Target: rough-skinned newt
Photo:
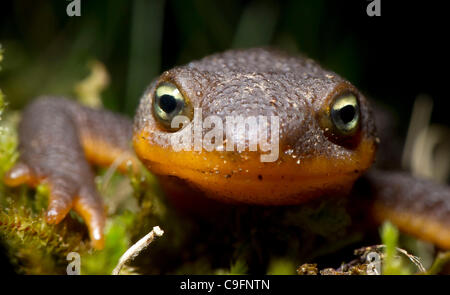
[{"x": 326, "y": 142}]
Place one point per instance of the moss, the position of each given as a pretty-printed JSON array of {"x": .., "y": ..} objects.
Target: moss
[{"x": 35, "y": 247}]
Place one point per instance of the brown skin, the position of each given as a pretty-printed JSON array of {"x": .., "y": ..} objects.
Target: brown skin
[{"x": 58, "y": 140}]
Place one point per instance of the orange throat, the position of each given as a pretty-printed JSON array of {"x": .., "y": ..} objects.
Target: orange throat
[{"x": 243, "y": 178}]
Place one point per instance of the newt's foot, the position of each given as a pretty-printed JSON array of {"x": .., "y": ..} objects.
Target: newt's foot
[{"x": 66, "y": 192}]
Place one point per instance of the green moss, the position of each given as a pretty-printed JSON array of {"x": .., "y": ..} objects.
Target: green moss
[{"x": 35, "y": 247}]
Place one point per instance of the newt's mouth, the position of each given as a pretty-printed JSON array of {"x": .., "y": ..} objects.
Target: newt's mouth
[{"x": 242, "y": 177}]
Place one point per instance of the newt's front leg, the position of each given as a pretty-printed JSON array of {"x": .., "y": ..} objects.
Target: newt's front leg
[
  {"x": 416, "y": 206},
  {"x": 58, "y": 139}
]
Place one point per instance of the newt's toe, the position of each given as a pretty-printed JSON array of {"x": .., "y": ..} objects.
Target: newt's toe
[
  {"x": 89, "y": 205},
  {"x": 19, "y": 174},
  {"x": 62, "y": 195}
]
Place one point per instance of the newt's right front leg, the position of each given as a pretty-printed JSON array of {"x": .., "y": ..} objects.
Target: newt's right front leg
[{"x": 58, "y": 138}]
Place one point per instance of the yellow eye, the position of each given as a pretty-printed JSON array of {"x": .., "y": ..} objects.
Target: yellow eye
[
  {"x": 168, "y": 103},
  {"x": 345, "y": 114}
]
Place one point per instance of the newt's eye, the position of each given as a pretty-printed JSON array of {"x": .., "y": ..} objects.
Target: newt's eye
[
  {"x": 168, "y": 103},
  {"x": 344, "y": 113},
  {"x": 340, "y": 119}
]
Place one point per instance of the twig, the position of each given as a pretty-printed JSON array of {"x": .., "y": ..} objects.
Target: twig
[{"x": 134, "y": 250}]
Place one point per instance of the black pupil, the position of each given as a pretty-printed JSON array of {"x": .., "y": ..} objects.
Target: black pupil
[
  {"x": 167, "y": 103},
  {"x": 347, "y": 114}
]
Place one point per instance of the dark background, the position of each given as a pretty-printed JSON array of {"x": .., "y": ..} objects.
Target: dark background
[{"x": 391, "y": 58}]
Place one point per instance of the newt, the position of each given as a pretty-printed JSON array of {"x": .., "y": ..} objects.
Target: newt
[{"x": 326, "y": 141}]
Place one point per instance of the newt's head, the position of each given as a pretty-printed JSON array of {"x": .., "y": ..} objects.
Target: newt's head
[{"x": 325, "y": 140}]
